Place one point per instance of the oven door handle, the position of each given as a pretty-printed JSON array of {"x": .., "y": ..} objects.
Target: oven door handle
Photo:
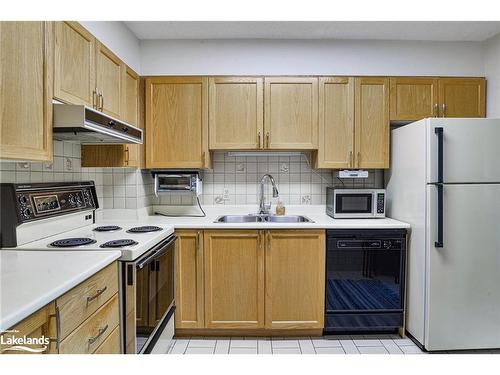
[{"x": 160, "y": 250}]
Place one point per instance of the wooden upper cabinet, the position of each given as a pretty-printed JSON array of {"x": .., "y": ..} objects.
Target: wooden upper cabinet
[
  {"x": 189, "y": 299},
  {"x": 236, "y": 113},
  {"x": 177, "y": 122},
  {"x": 109, "y": 81},
  {"x": 291, "y": 112},
  {"x": 413, "y": 98},
  {"x": 26, "y": 90},
  {"x": 295, "y": 279},
  {"x": 130, "y": 113},
  {"x": 234, "y": 279},
  {"x": 336, "y": 123},
  {"x": 371, "y": 123},
  {"x": 462, "y": 97},
  {"x": 74, "y": 70}
]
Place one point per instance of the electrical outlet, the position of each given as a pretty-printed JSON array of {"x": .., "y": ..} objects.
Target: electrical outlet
[
  {"x": 225, "y": 195},
  {"x": 240, "y": 167},
  {"x": 69, "y": 165},
  {"x": 284, "y": 168},
  {"x": 23, "y": 165},
  {"x": 306, "y": 199}
]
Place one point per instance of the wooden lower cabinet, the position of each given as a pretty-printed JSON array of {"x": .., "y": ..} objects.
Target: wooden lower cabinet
[
  {"x": 295, "y": 279},
  {"x": 234, "y": 279},
  {"x": 189, "y": 294},
  {"x": 255, "y": 282},
  {"x": 36, "y": 325}
]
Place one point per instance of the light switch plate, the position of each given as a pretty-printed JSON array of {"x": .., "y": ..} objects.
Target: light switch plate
[{"x": 353, "y": 174}]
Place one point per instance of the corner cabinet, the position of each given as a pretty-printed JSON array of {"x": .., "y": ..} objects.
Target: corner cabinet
[
  {"x": 291, "y": 113},
  {"x": 26, "y": 90},
  {"x": 295, "y": 279},
  {"x": 234, "y": 279},
  {"x": 177, "y": 122},
  {"x": 371, "y": 122}
]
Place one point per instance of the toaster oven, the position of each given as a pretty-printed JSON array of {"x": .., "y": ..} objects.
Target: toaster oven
[{"x": 177, "y": 182}]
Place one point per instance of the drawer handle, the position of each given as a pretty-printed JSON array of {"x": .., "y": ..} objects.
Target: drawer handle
[
  {"x": 99, "y": 334},
  {"x": 98, "y": 293}
]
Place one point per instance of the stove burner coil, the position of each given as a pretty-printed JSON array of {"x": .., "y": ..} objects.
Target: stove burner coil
[
  {"x": 119, "y": 243},
  {"x": 144, "y": 229},
  {"x": 73, "y": 242}
]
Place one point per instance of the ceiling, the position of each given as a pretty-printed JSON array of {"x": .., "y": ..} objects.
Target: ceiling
[{"x": 383, "y": 30}]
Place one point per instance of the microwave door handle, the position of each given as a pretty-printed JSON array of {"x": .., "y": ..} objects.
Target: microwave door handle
[{"x": 439, "y": 185}]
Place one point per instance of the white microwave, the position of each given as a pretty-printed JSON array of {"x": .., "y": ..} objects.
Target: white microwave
[
  {"x": 177, "y": 182},
  {"x": 355, "y": 203}
]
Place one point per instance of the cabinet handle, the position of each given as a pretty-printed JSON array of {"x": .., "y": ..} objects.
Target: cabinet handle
[
  {"x": 444, "y": 109},
  {"x": 258, "y": 139},
  {"x": 267, "y": 139},
  {"x": 436, "y": 110},
  {"x": 198, "y": 241},
  {"x": 127, "y": 156},
  {"x": 359, "y": 158},
  {"x": 57, "y": 339},
  {"x": 350, "y": 159},
  {"x": 97, "y": 294},
  {"x": 99, "y": 334},
  {"x": 101, "y": 101}
]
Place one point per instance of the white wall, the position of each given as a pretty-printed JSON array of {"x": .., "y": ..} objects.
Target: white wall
[
  {"x": 119, "y": 39},
  {"x": 492, "y": 73},
  {"x": 343, "y": 57}
]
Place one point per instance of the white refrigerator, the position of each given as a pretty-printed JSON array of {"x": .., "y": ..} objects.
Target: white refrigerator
[{"x": 444, "y": 180}]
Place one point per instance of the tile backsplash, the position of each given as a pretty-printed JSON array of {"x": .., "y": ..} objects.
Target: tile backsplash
[
  {"x": 235, "y": 181},
  {"x": 232, "y": 181},
  {"x": 116, "y": 187}
]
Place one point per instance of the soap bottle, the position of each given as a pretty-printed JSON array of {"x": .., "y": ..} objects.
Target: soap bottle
[{"x": 280, "y": 208}]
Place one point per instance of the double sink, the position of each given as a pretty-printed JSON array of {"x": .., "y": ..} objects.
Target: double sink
[{"x": 253, "y": 218}]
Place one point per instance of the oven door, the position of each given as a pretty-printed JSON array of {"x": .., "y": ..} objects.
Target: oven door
[
  {"x": 151, "y": 297},
  {"x": 353, "y": 205}
]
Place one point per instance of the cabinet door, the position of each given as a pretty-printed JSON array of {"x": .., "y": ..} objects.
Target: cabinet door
[
  {"x": 189, "y": 301},
  {"x": 234, "y": 279},
  {"x": 413, "y": 98},
  {"x": 74, "y": 69},
  {"x": 291, "y": 112},
  {"x": 109, "y": 80},
  {"x": 336, "y": 122},
  {"x": 236, "y": 113},
  {"x": 36, "y": 325},
  {"x": 462, "y": 97},
  {"x": 295, "y": 279},
  {"x": 131, "y": 110},
  {"x": 26, "y": 91},
  {"x": 177, "y": 122},
  {"x": 371, "y": 122}
]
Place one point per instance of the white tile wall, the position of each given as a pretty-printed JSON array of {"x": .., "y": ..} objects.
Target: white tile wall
[
  {"x": 239, "y": 178},
  {"x": 116, "y": 187}
]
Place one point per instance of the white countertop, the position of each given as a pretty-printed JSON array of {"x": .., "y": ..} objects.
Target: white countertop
[
  {"x": 31, "y": 279},
  {"x": 314, "y": 212}
]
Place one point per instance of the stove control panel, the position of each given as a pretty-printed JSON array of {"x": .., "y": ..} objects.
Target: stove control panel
[{"x": 41, "y": 203}]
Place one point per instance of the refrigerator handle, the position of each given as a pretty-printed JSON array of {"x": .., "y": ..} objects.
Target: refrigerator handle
[{"x": 439, "y": 186}]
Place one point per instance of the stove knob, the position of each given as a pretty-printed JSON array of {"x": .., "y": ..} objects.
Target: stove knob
[
  {"x": 71, "y": 199},
  {"x": 22, "y": 199},
  {"x": 27, "y": 213},
  {"x": 387, "y": 245}
]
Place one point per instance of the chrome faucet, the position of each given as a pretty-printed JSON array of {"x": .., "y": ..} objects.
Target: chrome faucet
[{"x": 264, "y": 208}]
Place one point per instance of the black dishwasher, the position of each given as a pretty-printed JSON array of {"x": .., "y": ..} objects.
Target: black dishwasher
[{"x": 365, "y": 274}]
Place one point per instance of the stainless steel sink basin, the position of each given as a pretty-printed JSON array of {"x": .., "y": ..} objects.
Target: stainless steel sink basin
[
  {"x": 239, "y": 219},
  {"x": 288, "y": 219},
  {"x": 262, "y": 218}
]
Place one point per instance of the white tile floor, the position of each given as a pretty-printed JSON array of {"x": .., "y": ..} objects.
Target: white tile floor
[{"x": 359, "y": 344}]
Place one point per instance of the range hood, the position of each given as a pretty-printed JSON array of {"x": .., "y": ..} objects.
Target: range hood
[{"x": 87, "y": 125}]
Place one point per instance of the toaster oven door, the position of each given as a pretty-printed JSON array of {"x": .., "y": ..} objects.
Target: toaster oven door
[{"x": 173, "y": 182}]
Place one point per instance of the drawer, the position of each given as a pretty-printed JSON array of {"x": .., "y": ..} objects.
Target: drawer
[
  {"x": 94, "y": 331},
  {"x": 83, "y": 300},
  {"x": 112, "y": 344}
]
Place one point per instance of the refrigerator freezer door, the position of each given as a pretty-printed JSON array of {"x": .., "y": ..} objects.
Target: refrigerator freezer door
[
  {"x": 463, "y": 278},
  {"x": 471, "y": 149}
]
